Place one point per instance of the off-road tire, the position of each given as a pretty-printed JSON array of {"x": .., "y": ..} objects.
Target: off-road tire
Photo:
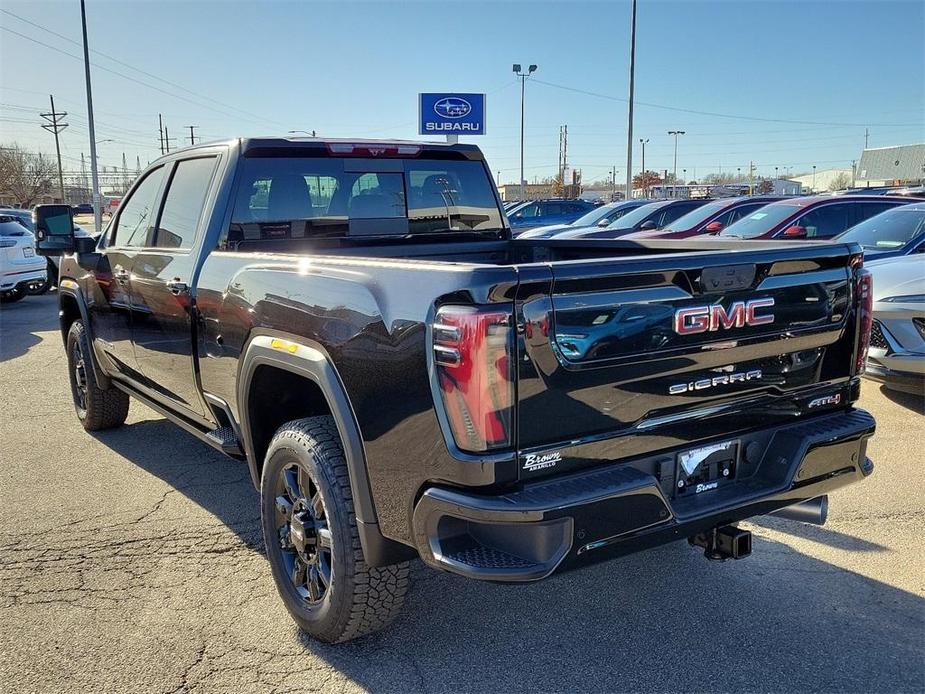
[
  {"x": 101, "y": 408},
  {"x": 359, "y": 599}
]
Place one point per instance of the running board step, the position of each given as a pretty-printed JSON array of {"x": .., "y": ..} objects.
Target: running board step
[{"x": 224, "y": 439}]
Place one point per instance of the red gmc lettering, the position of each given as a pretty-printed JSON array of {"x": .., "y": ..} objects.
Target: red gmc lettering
[{"x": 701, "y": 319}]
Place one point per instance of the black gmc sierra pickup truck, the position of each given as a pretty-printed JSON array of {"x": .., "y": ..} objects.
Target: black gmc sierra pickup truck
[{"x": 403, "y": 379}]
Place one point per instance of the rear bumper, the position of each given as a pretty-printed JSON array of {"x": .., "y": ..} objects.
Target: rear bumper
[
  {"x": 10, "y": 279},
  {"x": 593, "y": 515}
]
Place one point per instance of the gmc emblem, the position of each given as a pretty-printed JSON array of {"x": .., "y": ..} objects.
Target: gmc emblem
[{"x": 702, "y": 319}]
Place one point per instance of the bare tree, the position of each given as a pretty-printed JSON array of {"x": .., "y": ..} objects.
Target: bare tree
[
  {"x": 840, "y": 181},
  {"x": 25, "y": 175}
]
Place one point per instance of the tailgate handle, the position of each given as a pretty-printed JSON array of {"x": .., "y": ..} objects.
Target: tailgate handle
[{"x": 716, "y": 280}]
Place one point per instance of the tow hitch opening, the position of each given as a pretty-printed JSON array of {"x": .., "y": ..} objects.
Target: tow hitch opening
[{"x": 724, "y": 542}]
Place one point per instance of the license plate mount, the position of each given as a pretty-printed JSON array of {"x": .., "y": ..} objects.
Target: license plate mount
[{"x": 705, "y": 468}]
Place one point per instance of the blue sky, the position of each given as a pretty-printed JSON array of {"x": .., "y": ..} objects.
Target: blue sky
[{"x": 354, "y": 69}]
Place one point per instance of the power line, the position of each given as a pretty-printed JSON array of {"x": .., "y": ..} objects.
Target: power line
[
  {"x": 139, "y": 70},
  {"x": 124, "y": 76},
  {"x": 713, "y": 113}
]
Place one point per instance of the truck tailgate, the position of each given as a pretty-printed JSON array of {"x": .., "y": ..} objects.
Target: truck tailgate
[{"x": 669, "y": 349}]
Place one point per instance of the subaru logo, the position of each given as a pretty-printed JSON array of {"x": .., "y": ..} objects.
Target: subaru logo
[{"x": 452, "y": 107}]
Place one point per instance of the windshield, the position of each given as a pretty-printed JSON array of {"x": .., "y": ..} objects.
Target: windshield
[
  {"x": 699, "y": 216},
  {"x": 759, "y": 222},
  {"x": 888, "y": 230},
  {"x": 631, "y": 219},
  {"x": 327, "y": 197},
  {"x": 594, "y": 216}
]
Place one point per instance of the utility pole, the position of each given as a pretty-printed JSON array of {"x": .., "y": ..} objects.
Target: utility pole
[
  {"x": 675, "y": 171},
  {"x": 645, "y": 179},
  {"x": 751, "y": 174},
  {"x": 613, "y": 183},
  {"x": 853, "y": 172},
  {"x": 523, "y": 82},
  {"x": 192, "y": 136},
  {"x": 167, "y": 140},
  {"x": 97, "y": 212},
  {"x": 814, "y": 178},
  {"x": 124, "y": 175},
  {"x": 629, "y": 114},
  {"x": 137, "y": 166},
  {"x": 866, "y": 137},
  {"x": 160, "y": 131},
  {"x": 563, "y": 156},
  {"x": 55, "y": 125},
  {"x": 83, "y": 176}
]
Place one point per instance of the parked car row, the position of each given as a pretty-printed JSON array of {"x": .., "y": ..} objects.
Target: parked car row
[{"x": 890, "y": 229}]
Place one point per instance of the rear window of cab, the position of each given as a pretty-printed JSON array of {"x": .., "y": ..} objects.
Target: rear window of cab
[{"x": 328, "y": 197}]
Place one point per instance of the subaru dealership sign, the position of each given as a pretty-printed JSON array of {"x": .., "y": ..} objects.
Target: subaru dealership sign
[{"x": 451, "y": 114}]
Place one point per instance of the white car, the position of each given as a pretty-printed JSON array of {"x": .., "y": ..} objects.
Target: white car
[
  {"x": 20, "y": 266},
  {"x": 897, "y": 340}
]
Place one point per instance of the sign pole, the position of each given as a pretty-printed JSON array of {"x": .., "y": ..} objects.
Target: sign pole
[{"x": 452, "y": 139}]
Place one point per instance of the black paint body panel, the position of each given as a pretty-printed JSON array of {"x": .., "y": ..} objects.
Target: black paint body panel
[{"x": 368, "y": 309}]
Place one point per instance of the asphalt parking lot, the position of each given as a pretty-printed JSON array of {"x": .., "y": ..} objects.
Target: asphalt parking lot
[{"x": 131, "y": 560}]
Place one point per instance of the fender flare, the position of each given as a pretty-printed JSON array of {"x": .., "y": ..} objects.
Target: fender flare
[
  {"x": 70, "y": 288},
  {"x": 310, "y": 361}
]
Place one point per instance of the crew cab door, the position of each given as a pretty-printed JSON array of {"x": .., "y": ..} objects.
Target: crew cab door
[
  {"x": 162, "y": 278},
  {"x": 111, "y": 309}
]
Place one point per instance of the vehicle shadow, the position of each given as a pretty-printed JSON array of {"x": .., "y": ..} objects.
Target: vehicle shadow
[
  {"x": 662, "y": 620},
  {"x": 820, "y": 534},
  {"x": 911, "y": 401},
  {"x": 665, "y": 620},
  {"x": 20, "y": 322},
  {"x": 219, "y": 484}
]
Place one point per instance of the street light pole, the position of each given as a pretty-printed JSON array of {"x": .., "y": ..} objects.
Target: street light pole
[
  {"x": 523, "y": 85},
  {"x": 97, "y": 212},
  {"x": 675, "y": 172},
  {"x": 629, "y": 114}
]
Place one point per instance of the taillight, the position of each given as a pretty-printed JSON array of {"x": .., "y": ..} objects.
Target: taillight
[
  {"x": 864, "y": 293},
  {"x": 473, "y": 354}
]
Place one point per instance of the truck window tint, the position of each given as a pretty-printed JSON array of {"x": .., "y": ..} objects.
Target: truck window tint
[
  {"x": 137, "y": 211},
  {"x": 303, "y": 197},
  {"x": 377, "y": 196},
  {"x": 184, "y": 202}
]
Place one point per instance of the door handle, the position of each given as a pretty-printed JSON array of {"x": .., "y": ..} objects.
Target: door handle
[{"x": 177, "y": 287}]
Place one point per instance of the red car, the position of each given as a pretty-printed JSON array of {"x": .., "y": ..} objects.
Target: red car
[
  {"x": 812, "y": 217},
  {"x": 708, "y": 219}
]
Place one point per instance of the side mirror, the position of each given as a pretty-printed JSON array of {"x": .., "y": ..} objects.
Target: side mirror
[
  {"x": 795, "y": 232},
  {"x": 648, "y": 226},
  {"x": 603, "y": 222},
  {"x": 54, "y": 229},
  {"x": 714, "y": 227}
]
